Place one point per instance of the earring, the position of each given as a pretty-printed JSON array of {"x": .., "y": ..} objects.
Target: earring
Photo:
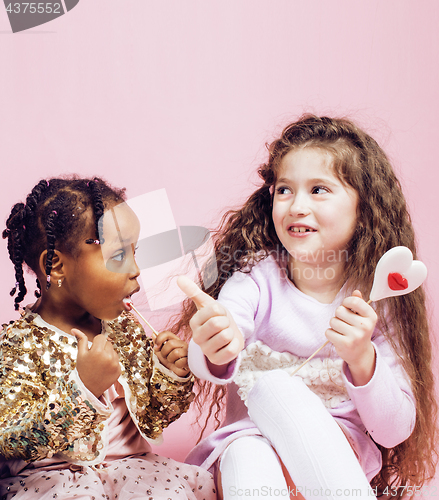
[{"x": 59, "y": 283}]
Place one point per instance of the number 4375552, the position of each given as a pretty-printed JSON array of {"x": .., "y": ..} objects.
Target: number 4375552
[{"x": 34, "y": 8}]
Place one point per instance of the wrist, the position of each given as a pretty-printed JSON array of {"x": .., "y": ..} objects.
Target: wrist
[
  {"x": 217, "y": 370},
  {"x": 362, "y": 370}
]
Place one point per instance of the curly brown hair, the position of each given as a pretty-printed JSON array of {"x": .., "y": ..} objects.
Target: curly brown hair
[{"x": 247, "y": 235}]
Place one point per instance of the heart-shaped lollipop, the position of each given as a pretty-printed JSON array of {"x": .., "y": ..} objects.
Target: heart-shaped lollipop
[{"x": 397, "y": 274}]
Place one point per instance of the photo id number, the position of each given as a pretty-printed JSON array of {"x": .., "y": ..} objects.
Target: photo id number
[{"x": 34, "y": 8}]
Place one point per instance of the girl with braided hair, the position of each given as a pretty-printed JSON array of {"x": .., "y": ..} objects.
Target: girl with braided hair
[
  {"x": 294, "y": 264},
  {"x": 83, "y": 390}
]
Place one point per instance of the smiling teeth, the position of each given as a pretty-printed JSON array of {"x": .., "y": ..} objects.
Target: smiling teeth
[{"x": 301, "y": 229}]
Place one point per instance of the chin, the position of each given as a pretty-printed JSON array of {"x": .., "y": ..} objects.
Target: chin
[{"x": 111, "y": 316}]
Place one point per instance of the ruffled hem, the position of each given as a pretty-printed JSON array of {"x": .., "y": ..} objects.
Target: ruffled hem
[{"x": 322, "y": 376}]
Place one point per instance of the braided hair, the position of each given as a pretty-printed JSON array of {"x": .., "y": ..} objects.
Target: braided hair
[{"x": 53, "y": 218}]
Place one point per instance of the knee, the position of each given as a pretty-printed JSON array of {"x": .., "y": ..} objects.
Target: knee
[{"x": 246, "y": 451}]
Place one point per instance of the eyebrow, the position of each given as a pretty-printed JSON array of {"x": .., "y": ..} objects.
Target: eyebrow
[
  {"x": 311, "y": 181},
  {"x": 123, "y": 242}
]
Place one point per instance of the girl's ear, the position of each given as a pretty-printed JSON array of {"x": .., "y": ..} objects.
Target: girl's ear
[
  {"x": 57, "y": 271},
  {"x": 271, "y": 190}
]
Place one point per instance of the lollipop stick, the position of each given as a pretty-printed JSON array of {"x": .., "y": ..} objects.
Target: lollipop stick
[
  {"x": 154, "y": 332},
  {"x": 314, "y": 353},
  {"x": 309, "y": 359}
]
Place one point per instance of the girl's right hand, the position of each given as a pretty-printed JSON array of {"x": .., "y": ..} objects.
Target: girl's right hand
[
  {"x": 213, "y": 327},
  {"x": 98, "y": 367}
]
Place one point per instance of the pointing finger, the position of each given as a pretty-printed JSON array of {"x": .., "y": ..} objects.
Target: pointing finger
[{"x": 188, "y": 287}]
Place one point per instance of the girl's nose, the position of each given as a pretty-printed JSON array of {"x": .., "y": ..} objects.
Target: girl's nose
[
  {"x": 299, "y": 207},
  {"x": 134, "y": 268},
  {"x": 135, "y": 271}
]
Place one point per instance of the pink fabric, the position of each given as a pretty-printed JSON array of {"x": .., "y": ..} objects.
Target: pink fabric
[
  {"x": 268, "y": 307},
  {"x": 129, "y": 471},
  {"x": 124, "y": 438}
]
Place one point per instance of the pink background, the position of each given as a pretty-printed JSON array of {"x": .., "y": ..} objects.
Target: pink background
[{"x": 183, "y": 95}]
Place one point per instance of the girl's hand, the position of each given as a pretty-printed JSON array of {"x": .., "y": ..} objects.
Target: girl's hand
[
  {"x": 98, "y": 367},
  {"x": 172, "y": 353},
  {"x": 213, "y": 328},
  {"x": 350, "y": 333}
]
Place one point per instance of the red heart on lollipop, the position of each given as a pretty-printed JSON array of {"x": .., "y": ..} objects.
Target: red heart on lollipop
[{"x": 397, "y": 282}]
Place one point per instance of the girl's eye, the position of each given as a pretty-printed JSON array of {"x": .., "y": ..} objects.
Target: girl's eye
[
  {"x": 319, "y": 190},
  {"x": 283, "y": 190},
  {"x": 119, "y": 256}
]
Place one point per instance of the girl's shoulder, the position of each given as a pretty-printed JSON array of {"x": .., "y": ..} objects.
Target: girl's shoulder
[
  {"x": 266, "y": 272},
  {"x": 20, "y": 328},
  {"x": 31, "y": 334}
]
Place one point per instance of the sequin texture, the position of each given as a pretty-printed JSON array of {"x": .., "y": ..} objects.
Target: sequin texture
[{"x": 43, "y": 411}]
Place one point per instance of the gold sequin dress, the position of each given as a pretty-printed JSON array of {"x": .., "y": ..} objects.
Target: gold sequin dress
[{"x": 57, "y": 440}]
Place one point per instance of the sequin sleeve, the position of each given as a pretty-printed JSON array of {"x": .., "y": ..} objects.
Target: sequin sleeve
[
  {"x": 155, "y": 395},
  {"x": 170, "y": 396},
  {"x": 43, "y": 410}
]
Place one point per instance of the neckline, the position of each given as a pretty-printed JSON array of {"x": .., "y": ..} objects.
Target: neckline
[{"x": 39, "y": 321}]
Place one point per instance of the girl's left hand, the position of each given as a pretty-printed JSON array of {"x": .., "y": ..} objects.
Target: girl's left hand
[
  {"x": 351, "y": 332},
  {"x": 172, "y": 353}
]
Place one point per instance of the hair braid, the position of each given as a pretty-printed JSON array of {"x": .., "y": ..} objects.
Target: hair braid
[
  {"x": 38, "y": 290},
  {"x": 98, "y": 209},
  {"x": 34, "y": 197},
  {"x": 51, "y": 238},
  {"x": 14, "y": 233},
  {"x": 21, "y": 216},
  {"x": 18, "y": 266}
]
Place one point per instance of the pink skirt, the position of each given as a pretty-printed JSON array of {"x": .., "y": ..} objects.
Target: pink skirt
[{"x": 146, "y": 477}]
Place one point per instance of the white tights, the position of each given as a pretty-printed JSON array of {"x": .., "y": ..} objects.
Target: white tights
[{"x": 308, "y": 440}]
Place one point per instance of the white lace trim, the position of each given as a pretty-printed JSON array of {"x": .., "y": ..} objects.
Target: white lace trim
[{"x": 322, "y": 376}]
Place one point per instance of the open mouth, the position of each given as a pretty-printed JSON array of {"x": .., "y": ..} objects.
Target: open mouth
[
  {"x": 128, "y": 298},
  {"x": 128, "y": 301},
  {"x": 301, "y": 229}
]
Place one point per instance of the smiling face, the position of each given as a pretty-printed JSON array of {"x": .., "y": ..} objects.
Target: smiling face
[
  {"x": 101, "y": 276},
  {"x": 314, "y": 213}
]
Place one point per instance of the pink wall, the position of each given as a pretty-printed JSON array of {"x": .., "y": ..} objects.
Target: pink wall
[{"x": 183, "y": 95}]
